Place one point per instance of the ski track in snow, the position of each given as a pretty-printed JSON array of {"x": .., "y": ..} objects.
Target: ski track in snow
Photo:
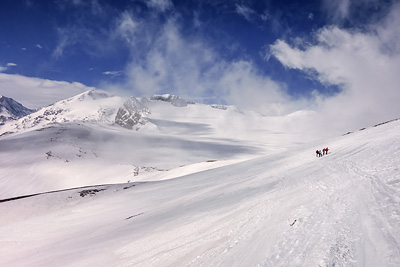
[{"x": 283, "y": 209}]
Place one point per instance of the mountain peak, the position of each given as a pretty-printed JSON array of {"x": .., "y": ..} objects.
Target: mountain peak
[
  {"x": 94, "y": 94},
  {"x": 12, "y": 110},
  {"x": 130, "y": 114}
]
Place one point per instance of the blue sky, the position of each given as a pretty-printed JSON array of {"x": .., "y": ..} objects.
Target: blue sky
[
  {"x": 280, "y": 56},
  {"x": 78, "y": 40}
]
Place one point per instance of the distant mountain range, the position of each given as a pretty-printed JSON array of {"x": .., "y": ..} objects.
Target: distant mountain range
[{"x": 94, "y": 106}]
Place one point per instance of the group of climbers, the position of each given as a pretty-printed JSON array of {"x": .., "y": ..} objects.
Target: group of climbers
[{"x": 324, "y": 152}]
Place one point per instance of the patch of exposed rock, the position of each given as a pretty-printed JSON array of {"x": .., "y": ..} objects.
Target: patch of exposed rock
[{"x": 130, "y": 115}]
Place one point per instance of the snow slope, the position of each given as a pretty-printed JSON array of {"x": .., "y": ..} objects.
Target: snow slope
[
  {"x": 282, "y": 209},
  {"x": 77, "y": 142}
]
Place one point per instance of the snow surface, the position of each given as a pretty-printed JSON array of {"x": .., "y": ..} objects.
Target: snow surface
[
  {"x": 206, "y": 189},
  {"x": 76, "y": 142}
]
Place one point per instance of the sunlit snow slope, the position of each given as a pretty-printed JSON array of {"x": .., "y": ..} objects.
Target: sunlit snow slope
[
  {"x": 76, "y": 142},
  {"x": 283, "y": 209}
]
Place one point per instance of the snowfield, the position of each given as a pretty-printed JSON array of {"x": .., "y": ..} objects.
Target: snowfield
[
  {"x": 76, "y": 142},
  {"x": 236, "y": 201}
]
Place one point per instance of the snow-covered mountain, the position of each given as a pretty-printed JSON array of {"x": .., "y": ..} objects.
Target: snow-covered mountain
[
  {"x": 287, "y": 208},
  {"x": 96, "y": 138},
  {"x": 162, "y": 183},
  {"x": 12, "y": 110},
  {"x": 93, "y": 105}
]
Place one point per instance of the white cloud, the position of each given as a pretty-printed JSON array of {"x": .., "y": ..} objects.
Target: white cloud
[
  {"x": 7, "y": 66},
  {"x": 93, "y": 39},
  {"x": 340, "y": 11},
  {"x": 171, "y": 63},
  {"x": 64, "y": 41},
  {"x": 244, "y": 11},
  {"x": 35, "y": 92},
  {"x": 336, "y": 10},
  {"x": 241, "y": 84},
  {"x": 77, "y": 2},
  {"x": 196, "y": 19},
  {"x": 113, "y": 73},
  {"x": 364, "y": 64},
  {"x": 127, "y": 27},
  {"x": 95, "y": 43},
  {"x": 191, "y": 68},
  {"x": 265, "y": 16},
  {"x": 97, "y": 8},
  {"x": 98, "y": 41},
  {"x": 389, "y": 31},
  {"x": 93, "y": 5},
  {"x": 39, "y": 46},
  {"x": 161, "y": 5}
]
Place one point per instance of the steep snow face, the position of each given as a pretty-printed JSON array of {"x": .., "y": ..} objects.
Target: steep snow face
[
  {"x": 131, "y": 113},
  {"x": 12, "y": 110},
  {"x": 93, "y": 105},
  {"x": 283, "y": 209}
]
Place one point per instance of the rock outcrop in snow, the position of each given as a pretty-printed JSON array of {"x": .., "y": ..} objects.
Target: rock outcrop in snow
[
  {"x": 12, "y": 110},
  {"x": 173, "y": 99},
  {"x": 130, "y": 114}
]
